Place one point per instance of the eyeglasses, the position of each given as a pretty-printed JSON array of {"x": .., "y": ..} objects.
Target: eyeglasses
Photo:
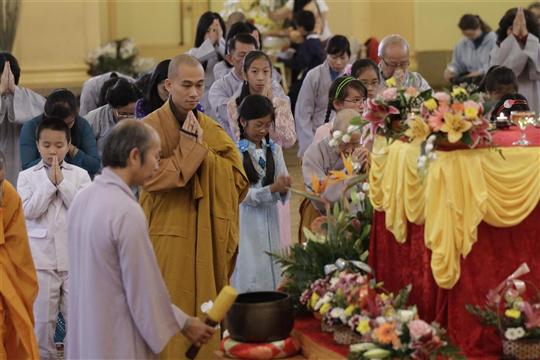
[
  {"x": 122, "y": 115},
  {"x": 356, "y": 101},
  {"x": 402, "y": 65}
]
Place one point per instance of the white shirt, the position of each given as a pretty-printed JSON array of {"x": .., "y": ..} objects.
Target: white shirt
[{"x": 45, "y": 209}]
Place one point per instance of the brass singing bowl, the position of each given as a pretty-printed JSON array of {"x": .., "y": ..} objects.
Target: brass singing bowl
[{"x": 257, "y": 317}]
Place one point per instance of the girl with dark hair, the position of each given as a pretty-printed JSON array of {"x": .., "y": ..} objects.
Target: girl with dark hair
[
  {"x": 62, "y": 103},
  {"x": 156, "y": 94},
  {"x": 121, "y": 99},
  {"x": 92, "y": 94},
  {"x": 209, "y": 48},
  {"x": 258, "y": 81},
  {"x": 368, "y": 73},
  {"x": 345, "y": 93},
  {"x": 17, "y": 106},
  {"x": 312, "y": 103},
  {"x": 269, "y": 184},
  {"x": 470, "y": 59},
  {"x": 518, "y": 48}
]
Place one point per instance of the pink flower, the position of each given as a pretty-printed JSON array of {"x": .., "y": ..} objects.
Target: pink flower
[
  {"x": 419, "y": 329},
  {"x": 389, "y": 94},
  {"x": 479, "y": 132},
  {"x": 532, "y": 315},
  {"x": 435, "y": 121},
  {"x": 376, "y": 113},
  {"x": 442, "y": 97}
]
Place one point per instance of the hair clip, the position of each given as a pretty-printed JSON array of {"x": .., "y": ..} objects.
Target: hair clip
[{"x": 243, "y": 145}]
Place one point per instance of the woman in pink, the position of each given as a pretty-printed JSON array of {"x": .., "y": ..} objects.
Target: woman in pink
[{"x": 258, "y": 80}]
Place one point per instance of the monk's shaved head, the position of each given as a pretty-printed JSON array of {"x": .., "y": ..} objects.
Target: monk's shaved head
[
  {"x": 343, "y": 119},
  {"x": 180, "y": 60}
]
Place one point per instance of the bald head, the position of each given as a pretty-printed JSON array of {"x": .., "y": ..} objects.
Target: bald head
[
  {"x": 343, "y": 119},
  {"x": 393, "y": 40},
  {"x": 182, "y": 60}
]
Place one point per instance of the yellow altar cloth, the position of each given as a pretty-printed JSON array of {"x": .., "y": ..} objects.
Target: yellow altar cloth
[{"x": 460, "y": 189}]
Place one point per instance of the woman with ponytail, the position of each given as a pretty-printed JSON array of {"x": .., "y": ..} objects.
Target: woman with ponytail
[
  {"x": 346, "y": 92},
  {"x": 269, "y": 184},
  {"x": 470, "y": 60},
  {"x": 257, "y": 71}
]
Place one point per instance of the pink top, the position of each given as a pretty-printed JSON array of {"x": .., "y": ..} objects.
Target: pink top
[{"x": 283, "y": 133}]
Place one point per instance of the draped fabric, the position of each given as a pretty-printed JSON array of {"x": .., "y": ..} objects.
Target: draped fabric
[{"x": 460, "y": 189}]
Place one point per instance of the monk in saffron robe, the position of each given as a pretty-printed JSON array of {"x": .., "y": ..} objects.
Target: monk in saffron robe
[
  {"x": 192, "y": 204},
  {"x": 18, "y": 280}
]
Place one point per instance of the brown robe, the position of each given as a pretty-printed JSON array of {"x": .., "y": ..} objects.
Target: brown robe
[{"x": 192, "y": 208}]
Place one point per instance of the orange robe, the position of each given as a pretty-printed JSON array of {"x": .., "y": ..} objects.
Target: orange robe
[
  {"x": 192, "y": 208},
  {"x": 18, "y": 281}
]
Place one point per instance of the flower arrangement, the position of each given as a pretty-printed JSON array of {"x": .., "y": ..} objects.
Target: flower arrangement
[
  {"x": 507, "y": 308},
  {"x": 342, "y": 233},
  {"x": 118, "y": 55},
  {"x": 387, "y": 112}
]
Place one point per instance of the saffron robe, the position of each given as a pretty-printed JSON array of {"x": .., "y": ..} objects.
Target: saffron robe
[
  {"x": 192, "y": 207},
  {"x": 18, "y": 285}
]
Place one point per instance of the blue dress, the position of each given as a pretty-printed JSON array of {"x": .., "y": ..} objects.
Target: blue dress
[{"x": 259, "y": 229}]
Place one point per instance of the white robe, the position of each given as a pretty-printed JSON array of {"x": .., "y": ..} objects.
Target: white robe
[
  {"x": 119, "y": 305},
  {"x": 15, "y": 110},
  {"x": 525, "y": 63}
]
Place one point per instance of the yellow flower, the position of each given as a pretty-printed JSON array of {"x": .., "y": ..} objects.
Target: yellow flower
[
  {"x": 418, "y": 129},
  {"x": 513, "y": 313},
  {"x": 430, "y": 104},
  {"x": 349, "y": 310},
  {"x": 384, "y": 297},
  {"x": 471, "y": 113},
  {"x": 363, "y": 327},
  {"x": 458, "y": 90},
  {"x": 347, "y": 163},
  {"x": 391, "y": 82},
  {"x": 313, "y": 300},
  {"x": 389, "y": 312},
  {"x": 325, "y": 308},
  {"x": 455, "y": 126}
]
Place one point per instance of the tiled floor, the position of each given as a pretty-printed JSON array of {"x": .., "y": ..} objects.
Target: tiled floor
[{"x": 295, "y": 171}]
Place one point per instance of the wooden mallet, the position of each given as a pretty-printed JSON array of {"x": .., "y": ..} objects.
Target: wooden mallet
[{"x": 223, "y": 303}]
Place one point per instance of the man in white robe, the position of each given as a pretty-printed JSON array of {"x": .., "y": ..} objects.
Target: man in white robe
[
  {"x": 119, "y": 305},
  {"x": 17, "y": 106}
]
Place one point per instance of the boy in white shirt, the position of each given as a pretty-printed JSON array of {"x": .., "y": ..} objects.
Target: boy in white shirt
[{"x": 47, "y": 190}]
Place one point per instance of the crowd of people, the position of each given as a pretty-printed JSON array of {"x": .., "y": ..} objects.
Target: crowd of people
[{"x": 128, "y": 209}]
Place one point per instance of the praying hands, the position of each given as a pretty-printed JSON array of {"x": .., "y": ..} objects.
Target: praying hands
[
  {"x": 192, "y": 127},
  {"x": 519, "y": 27},
  {"x": 7, "y": 80},
  {"x": 55, "y": 173}
]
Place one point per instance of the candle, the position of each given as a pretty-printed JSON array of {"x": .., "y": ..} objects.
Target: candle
[
  {"x": 223, "y": 303},
  {"x": 501, "y": 118}
]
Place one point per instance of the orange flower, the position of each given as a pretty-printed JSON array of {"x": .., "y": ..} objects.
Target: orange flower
[
  {"x": 458, "y": 107},
  {"x": 347, "y": 163},
  {"x": 338, "y": 176},
  {"x": 386, "y": 333}
]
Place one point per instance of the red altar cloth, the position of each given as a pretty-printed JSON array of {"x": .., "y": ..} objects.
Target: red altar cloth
[{"x": 496, "y": 254}]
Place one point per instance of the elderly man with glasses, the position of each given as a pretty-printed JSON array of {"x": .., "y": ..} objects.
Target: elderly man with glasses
[{"x": 394, "y": 55}]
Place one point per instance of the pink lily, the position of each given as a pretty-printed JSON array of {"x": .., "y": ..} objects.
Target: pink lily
[{"x": 532, "y": 315}]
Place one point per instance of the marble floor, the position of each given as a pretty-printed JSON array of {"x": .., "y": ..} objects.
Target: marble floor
[{"x": 295, "y": 170}]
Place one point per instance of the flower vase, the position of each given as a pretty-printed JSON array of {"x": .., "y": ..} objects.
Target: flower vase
[
  {"x": 524, "y": 349},
  {"x": 343, "y": 335}
]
